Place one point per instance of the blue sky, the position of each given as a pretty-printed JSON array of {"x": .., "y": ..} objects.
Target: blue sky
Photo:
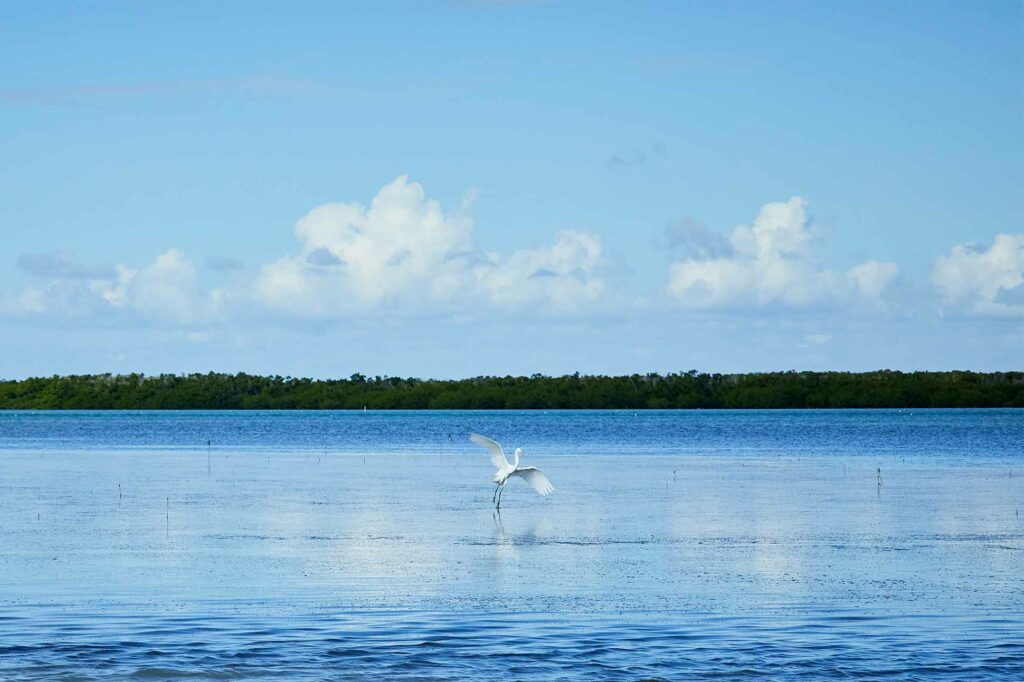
[{"x": 459, "y": 188}]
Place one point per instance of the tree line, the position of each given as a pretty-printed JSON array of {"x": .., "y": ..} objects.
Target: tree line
[{"x": 683, "y": 390}]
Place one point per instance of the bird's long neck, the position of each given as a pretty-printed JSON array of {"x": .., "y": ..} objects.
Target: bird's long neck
[{"x": 515, "y": 464}]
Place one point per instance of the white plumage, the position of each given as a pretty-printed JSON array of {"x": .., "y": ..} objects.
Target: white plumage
[{"x": 533, "y": 476}]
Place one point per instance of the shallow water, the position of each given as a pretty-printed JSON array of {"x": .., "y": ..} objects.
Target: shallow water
[{"x": 677, "y": 544}]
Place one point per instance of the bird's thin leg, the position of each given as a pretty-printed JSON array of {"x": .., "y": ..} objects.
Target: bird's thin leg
[
  {"x": 495, "y": 495},
  {"x": 497, "y": 490},
  {"x": 500, "y": 491}
]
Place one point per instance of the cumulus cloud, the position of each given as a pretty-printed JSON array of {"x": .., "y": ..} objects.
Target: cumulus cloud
[
  {"x": 983, "y": 281},
  {"x": 165, "y": 288},
  {"x": 871, "y": 278},
  {"x": 561, "y": 275},
  {"x": 405, "y": 250},
  {"x": 69, "y": 287},
  {"x": 404, "y": 253},
  {"x": 773, "y": 262}
]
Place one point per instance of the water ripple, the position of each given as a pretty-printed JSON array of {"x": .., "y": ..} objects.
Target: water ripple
[{"x": 422, "y": 645}]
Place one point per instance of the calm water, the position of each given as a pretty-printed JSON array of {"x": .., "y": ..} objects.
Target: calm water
[{"x": 677, "y": 545}]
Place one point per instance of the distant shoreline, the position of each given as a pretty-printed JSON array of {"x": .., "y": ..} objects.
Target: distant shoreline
[{"x": 686, "y": 390}]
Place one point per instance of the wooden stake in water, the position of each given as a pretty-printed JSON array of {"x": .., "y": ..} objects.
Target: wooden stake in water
[{"x": 118, "y": 494}]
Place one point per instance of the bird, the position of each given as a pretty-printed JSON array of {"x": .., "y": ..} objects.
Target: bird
[{"x": 532, "y": 475}]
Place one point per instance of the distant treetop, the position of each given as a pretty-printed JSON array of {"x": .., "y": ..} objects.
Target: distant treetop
[{"x": 686, "y": 390}]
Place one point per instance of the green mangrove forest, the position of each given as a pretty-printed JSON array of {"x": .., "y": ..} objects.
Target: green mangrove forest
[{"x": 686, "y": 390}]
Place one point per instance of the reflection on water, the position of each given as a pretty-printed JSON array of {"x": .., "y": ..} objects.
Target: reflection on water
[{"x": 655, "y": 563}]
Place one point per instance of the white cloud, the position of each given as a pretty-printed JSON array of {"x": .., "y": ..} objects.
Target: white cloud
[
  {"x": 773, "y": 262},
  {"x": 871, "y": 278},
  {"x": 561, "y": 275},
  {"x": 405, "y": 254},
  {"x": 165, "y": 288},
  {"x": 404, "y": 250},
  {"x": 71, "y": 296},
  {"x": 984, "y": 281}
]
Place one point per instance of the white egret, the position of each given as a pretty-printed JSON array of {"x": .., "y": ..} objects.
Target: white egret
[{"x": 532, "y": 475}]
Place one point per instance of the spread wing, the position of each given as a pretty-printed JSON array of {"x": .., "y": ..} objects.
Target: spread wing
[
  {"x": 497, "y": 454},
  {"x": 536, "y": 479}
]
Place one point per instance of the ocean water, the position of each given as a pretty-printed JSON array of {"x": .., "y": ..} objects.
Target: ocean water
[{"x": 677, "y": 545}]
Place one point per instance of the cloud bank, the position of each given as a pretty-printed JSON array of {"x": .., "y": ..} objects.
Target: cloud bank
[
  {"x": 405, "y": 251},
  {"x": 166, "y": 288},
  {"x": 988, "y": 282},
  {"x": 772, "y": 262},
  {"x": 404, "y": 254}
]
